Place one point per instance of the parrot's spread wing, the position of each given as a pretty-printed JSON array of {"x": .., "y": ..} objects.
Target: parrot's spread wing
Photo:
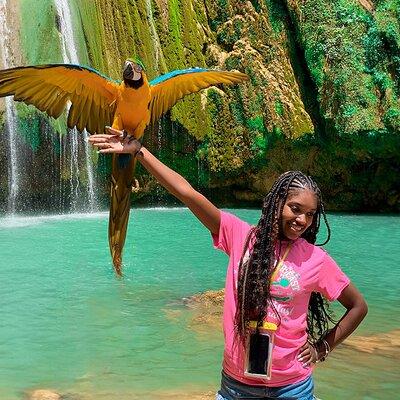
[
  {"x": 50, "y": 87},
  {"x": 167, "y": 89}
]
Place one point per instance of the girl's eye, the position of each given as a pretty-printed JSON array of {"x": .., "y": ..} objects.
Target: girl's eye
[
  {"x": 294, "y": 209},
  {"x": 310, "y": 214}
]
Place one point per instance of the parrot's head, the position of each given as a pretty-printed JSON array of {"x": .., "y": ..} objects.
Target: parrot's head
[{"x": 133, "y": 73}]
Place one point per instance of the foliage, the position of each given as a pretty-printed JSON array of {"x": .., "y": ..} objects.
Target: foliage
[
  {"x": 348, "y": 56},
  {"x": 323, "y": 93}
]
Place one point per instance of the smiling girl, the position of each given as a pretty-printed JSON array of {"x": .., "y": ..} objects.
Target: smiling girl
[{"x": 276, "y": 323}]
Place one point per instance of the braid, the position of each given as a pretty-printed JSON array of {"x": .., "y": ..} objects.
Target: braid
[{"x": 253, "y": 294}]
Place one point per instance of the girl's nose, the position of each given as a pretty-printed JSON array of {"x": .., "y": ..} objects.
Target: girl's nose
[{"x": 301, "y": 219}]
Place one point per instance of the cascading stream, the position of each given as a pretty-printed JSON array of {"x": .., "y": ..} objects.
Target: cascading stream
[
  {"x": 70, "y": 55},
  {"x": 10, "y": 112},
  {"x": 160, "y": 61}
]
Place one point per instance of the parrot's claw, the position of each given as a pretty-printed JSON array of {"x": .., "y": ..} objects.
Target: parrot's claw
[
  {"x": 135, "y": 186},
  {"x": 131, "y": 138}
]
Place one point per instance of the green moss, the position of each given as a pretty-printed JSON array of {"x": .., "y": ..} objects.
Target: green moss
[
  {"x": 279, "y": 107},
  {"x": 256, "y": 124},
  {"x": 276, "y": 14},
  {"x": 92, "y": 35},
  {"x": 256, "y": 4},
  {"x": 173, "y": 44},
  {"x": 38, "y": 21},
  {"x": 29, "y": 125},
  {"x": 355, "y": 173},
  {"x": 346, "y": 59},
  {"x": 392, "y": 119},
  {"x": 221, "y": 16},
  {"x": 237, "y": 109}
]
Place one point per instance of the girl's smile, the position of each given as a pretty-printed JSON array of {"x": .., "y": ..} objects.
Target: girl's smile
[{"x": 298, "y": 213}]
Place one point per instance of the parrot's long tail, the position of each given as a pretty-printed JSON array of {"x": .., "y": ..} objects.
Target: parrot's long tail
[{"x": 121, "y": 188}]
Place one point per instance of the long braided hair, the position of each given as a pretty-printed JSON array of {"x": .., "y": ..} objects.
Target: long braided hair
[{"x": 253, "y": 294}]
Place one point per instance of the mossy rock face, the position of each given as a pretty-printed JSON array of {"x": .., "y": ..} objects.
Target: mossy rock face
[
  {"x": 350, "y": 50},
  {"x": 323, "y": 93},
  {"x": 270, "y": 102}
]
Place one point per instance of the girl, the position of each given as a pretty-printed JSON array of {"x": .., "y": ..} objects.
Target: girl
[{"x": 275, "y": 316}]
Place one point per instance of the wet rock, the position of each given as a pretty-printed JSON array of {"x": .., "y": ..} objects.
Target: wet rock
[
  {"x": 207, "y": 309},
  {"x": 44, "y": 394},
  {"x": 209, "y": 299},
  {"x": 387, "y": 342}
]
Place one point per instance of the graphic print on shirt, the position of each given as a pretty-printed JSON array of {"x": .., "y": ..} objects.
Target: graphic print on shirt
[
  {"x": 283, "y": 288},
  {"x": 284, "y": 285}
]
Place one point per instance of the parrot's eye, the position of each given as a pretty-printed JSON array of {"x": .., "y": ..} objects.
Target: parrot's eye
[{"x": 137, "y": 68}]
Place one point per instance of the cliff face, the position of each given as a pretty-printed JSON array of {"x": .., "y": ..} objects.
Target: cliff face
[{"x": 323, "y": 94}]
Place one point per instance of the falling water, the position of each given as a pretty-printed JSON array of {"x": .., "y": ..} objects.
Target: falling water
[
  {"x": 11, "y": 121},
  {"x": 160, "y": 61},
  {"x": 70, "y": 55}
]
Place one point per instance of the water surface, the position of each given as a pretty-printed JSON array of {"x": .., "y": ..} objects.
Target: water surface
[{"x": 69, "y": 324}]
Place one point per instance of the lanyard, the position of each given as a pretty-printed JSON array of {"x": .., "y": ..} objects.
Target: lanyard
[{"x": 282, "y": 259}]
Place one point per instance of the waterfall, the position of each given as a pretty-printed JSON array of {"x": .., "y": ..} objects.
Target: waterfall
[
  {"x": 160, "y": 61},
  {"x": 70, "y": 55},
  {"x": 10, "y": 112}
]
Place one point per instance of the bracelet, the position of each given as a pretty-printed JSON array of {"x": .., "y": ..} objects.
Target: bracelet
[
  {"x": 327, "y": 351},
  {"x": 138, "y": 151}
]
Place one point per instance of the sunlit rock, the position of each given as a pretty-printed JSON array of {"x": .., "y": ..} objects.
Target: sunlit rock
[
  {"x": 44, "y": 394},
  {"x": 386, "y": 342},
  {"x": 207, "y": 309}
]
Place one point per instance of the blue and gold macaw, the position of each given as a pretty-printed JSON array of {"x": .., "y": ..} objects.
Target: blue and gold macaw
[{"x": 98, "y": 101}]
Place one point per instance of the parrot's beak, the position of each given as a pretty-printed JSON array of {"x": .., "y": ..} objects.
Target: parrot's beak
[
  {"x": 128, "y": 71},
  {"x": 132, "y": 71}
]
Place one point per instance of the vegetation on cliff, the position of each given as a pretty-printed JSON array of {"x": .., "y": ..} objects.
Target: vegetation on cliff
[{"x": 323, "y": 94}]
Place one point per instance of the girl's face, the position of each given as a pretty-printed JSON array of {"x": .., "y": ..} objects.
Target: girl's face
[{"x": 298, "y": 213}]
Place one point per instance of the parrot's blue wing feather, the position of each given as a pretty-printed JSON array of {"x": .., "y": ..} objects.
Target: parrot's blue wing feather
[{"x": 172, "y": 74}]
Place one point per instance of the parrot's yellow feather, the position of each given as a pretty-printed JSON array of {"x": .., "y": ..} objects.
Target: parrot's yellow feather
[
  {"x": 51, "y": 87},
  {"x": 166, "y": 93}
]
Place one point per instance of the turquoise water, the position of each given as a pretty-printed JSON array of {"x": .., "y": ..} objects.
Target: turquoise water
[{"x": 69, "y": 324}]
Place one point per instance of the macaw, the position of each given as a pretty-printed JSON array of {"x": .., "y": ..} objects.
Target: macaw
[{"x": 98, "y": 101}]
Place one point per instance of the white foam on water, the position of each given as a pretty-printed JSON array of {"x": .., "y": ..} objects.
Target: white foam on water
[
  {"x": 20, "y": 221},
  {"x": 25, "y": 221}
]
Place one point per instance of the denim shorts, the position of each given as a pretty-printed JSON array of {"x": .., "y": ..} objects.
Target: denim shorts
[{"x": 231, "y": 389}]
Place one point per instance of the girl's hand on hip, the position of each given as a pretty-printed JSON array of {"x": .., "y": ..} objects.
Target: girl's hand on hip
[{"x": 307, "y": 354}]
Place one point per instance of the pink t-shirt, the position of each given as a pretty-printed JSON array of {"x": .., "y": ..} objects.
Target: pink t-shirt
[{"x": 307, "y": 269}]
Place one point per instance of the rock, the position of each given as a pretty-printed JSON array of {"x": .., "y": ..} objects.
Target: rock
[
  {"x": 367, "y": 4},
  {"x": 44, "y": 394},
  {"x": 209, "y": 299},
  {"x": 387, "y": 342},
  {"x": 208, "y": 309}
]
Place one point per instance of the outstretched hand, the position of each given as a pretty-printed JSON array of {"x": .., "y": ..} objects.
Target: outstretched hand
[{"x": 116, "y": 142}]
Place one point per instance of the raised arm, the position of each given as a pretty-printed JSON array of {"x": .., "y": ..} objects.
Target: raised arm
[{"x": 202, "y": 208}]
